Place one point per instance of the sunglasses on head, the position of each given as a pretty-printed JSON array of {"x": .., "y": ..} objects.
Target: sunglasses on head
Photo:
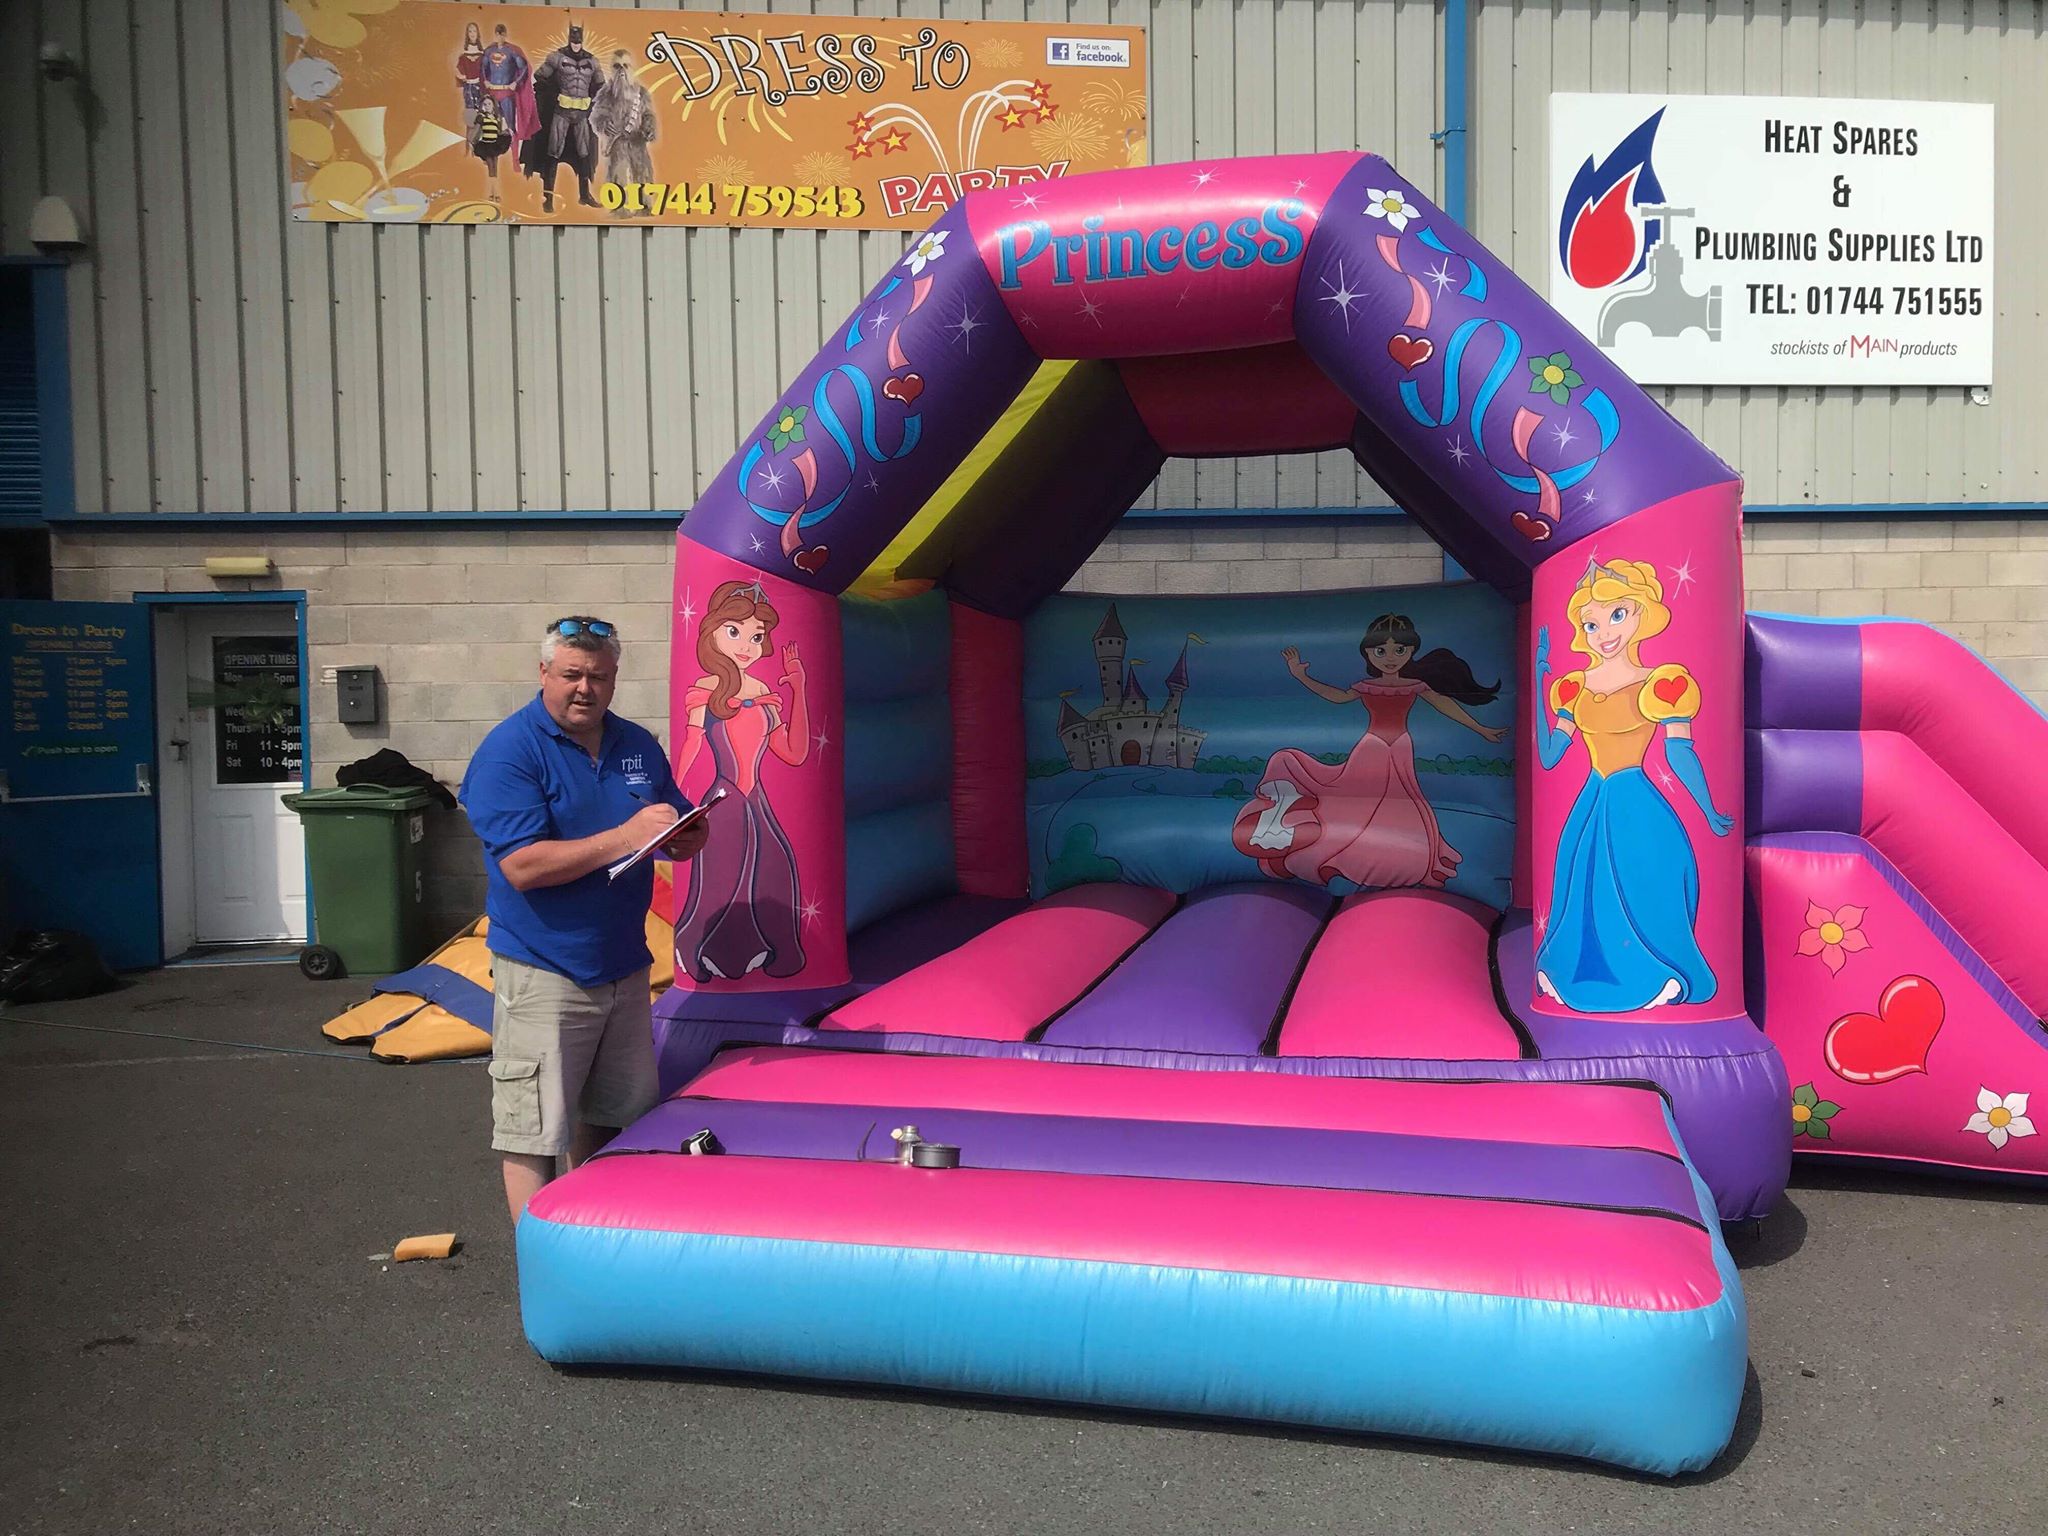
[{"x": 602, "y": 629}]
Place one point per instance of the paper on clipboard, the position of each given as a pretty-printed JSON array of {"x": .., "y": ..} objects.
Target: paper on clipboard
[{"x": 666, "y": 834}]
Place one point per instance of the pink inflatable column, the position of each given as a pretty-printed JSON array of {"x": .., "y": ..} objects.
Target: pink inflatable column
[
  {"x": 1636, "y": 836},
  {"x": 756, "y": 688},
  {"x": 989, "y": 854}
]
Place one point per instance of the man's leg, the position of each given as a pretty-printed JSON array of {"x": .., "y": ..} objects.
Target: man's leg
[
  {"x": 524, "y": 1176},
  {"x": 544, "y": 1031},
  {"x": 588, "y": 1141},
  {"x": 622, "y": 1085}
]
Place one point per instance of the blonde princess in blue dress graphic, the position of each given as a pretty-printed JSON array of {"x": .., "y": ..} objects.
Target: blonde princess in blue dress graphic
[{"x": 1626, "y": 889}]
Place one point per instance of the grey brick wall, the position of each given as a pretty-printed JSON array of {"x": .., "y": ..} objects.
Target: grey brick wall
[
  {"x": 1983, "y": 581},
  {"x": 454, "y": 617}
]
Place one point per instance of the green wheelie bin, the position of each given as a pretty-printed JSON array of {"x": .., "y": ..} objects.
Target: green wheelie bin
[{"x": 364, "y": 848}]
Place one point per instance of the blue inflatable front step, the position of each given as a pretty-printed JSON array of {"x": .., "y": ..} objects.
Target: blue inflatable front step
[{"x": 1539, "y": 1270}]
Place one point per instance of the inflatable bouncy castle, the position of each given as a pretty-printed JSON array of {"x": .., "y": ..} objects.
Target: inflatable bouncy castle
[{"x": 1343, "y": 1008}]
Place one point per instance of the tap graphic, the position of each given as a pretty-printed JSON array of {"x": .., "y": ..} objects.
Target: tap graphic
[{"x": 1663, "y": 303}]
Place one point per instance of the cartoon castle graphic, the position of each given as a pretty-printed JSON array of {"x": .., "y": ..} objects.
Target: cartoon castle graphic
[{"x": 1125, "y": 731}]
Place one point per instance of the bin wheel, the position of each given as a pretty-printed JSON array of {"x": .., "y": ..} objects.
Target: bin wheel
[{"x": 319, "y": 963}]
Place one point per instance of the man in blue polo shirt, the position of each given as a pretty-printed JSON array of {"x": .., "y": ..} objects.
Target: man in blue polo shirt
[{"x": 558, "y": 793}]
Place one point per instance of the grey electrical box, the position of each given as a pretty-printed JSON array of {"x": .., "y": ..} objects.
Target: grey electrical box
[{"x": 355, "y": 695}]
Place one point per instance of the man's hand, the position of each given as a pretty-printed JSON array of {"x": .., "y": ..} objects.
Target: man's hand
[
  {"x": 689, "y": 842},
  {"x": 646, "y": 822}
]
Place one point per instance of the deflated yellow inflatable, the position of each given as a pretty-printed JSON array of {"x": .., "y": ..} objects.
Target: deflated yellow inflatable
[{"x": 441, "y": 1008}]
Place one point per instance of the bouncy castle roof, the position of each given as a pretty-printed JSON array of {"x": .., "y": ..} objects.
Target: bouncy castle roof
[{"x": 1016, "y": 381}]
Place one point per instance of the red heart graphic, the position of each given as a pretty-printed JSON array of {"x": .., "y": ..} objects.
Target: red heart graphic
[
  {"x": 811, "y": 561},
  {"x": 1410, "y": 351},
  {"x": 1533, "y": 529},
  {"x": 1567, "y": 690},
  {"x": 1669, "y": 689},
  {"x": 906, "y": 389},
  {"x": 1875, "y": 1048}
]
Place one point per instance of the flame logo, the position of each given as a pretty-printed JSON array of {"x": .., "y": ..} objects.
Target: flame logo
[{"x": 1600, "y": 240}]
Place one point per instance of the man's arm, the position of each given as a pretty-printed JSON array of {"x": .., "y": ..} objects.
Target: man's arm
[
  {"x": 557, "y": 862},
  {"x": 508, "y": 809}
]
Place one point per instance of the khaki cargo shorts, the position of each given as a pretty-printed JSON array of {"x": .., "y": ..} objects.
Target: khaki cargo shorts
[{"x": 561, "y": 1053}]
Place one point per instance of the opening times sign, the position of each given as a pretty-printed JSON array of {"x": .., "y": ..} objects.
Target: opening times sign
[
  {"x": 1776, "y": 240},
  {"x": 68, "y": 688},
  {"x": 76, "y": 723},
  {"x": 439, "y": 112},
  {"x": 257, "y": 734}
]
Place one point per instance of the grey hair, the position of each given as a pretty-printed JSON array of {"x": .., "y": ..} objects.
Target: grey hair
[{"x": 586, "y": 641}]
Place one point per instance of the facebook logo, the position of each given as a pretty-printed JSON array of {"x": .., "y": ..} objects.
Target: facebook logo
[{"x": 1089, "y": 52}]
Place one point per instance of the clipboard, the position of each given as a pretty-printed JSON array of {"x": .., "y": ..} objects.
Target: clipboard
[{"x": 666, "y": 834}]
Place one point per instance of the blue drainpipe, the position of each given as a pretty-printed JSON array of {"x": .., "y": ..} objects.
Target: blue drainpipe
[
  {"x": 1452, "y": 136},
  {"x": 1454, "y": 139}
]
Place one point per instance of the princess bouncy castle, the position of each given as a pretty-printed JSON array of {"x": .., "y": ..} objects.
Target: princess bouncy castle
[{"x": 1356, "y": 1008}]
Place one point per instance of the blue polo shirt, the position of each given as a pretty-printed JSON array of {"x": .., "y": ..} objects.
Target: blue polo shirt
[{"x": 530, "y": 782}]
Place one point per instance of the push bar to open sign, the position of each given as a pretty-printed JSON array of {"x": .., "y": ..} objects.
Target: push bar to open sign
[{"x": 143, "y": 790}]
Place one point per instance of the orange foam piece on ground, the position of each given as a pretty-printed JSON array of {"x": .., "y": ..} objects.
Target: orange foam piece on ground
[{"x": 434, "y": 1245}]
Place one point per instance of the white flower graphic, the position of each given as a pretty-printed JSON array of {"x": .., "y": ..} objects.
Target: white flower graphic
[
  {"x": 1391, "y": 206},
  {"x": 929, "y": 248},
  {"x": 2000, "y": 1119}
]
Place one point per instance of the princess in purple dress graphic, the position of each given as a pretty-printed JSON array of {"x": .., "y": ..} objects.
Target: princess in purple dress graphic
[
  {"x": 1365, "y": 820},
  {"x": 745, "y": 905}
]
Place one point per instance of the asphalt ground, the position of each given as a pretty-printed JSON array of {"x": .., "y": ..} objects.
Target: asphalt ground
[{"x": 195, "y": 1336}]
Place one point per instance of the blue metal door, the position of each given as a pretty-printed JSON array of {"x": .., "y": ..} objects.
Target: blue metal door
[{"x": 78, "y": 816}]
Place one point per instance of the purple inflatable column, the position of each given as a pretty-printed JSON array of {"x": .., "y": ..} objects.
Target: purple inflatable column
[
  {"x": 1501, "y": 429},
  {"x": 860, "y": 440}
]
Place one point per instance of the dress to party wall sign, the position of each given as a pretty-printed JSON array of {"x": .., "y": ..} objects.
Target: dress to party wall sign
[
  {"x": 428, "y": 111},
  {"x": 1775, "y": 240}
]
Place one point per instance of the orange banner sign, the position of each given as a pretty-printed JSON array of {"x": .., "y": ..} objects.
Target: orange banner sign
[{"x": 429, "y": 111}]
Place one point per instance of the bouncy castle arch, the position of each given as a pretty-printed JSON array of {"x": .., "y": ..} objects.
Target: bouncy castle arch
[
  {"x": 1259, "y": 306},
  {"x": 1014, "y": 383}
]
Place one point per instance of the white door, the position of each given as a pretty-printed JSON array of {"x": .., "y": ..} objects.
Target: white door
[{"x": 246, "y": 748}]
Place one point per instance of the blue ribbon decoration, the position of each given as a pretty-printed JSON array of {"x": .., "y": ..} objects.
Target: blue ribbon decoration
[
  {"x": 1475, "y": 280},
  {"x": 1595, "y": 403},
  {"x": 853, "y": 335},
  {"x": 824, "y": 415}
]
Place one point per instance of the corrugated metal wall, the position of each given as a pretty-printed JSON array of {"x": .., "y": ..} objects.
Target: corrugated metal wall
[
  {"x": 228, "y": 359},
  {"x": 1835, "y": 446}
]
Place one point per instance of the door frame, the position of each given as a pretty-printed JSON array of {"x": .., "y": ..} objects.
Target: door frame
[{"x": 155, "y": 601}]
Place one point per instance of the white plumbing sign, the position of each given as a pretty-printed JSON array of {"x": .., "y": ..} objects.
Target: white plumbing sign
[{"x": 1775, "y": 240}]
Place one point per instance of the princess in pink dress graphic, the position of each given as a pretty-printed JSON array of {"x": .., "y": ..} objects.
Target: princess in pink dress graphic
[
  {"x": 745, "y": 905},
  {"x": 1365, "y": 820}
]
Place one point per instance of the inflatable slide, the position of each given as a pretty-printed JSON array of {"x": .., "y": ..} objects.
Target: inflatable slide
[
  {"x": 1898, "y": 864},
  {"x": 1340, "y": 1007}
]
